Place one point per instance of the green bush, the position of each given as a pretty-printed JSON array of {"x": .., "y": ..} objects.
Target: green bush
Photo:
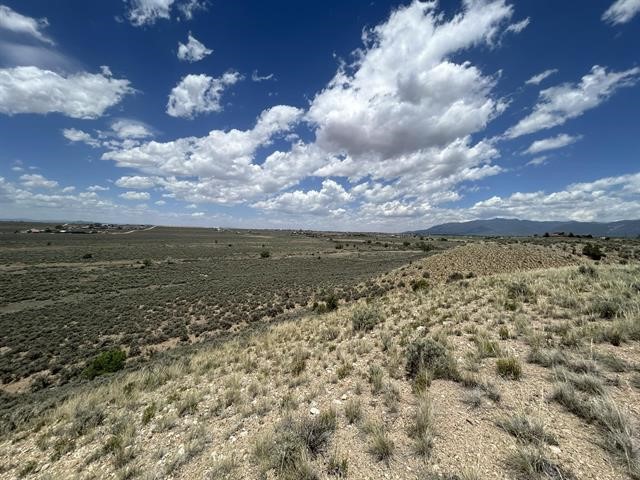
[
  {"x": 509, "y": 367},
  {"x": 419, "y": 284},
  {"x": 592, "y": 251},
  {"x": 107, "y": 362},
  {"x": 454, "y": 277},
  {"x": 331, "y": 302},
  {"x": 426, "y": 247},
  {"x": 365, "y": 318},
  {"x": 426, "y": 353},
  {"x": 519, "y": 291}
]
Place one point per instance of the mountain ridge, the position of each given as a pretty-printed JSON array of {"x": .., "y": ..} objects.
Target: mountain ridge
[{"x": 514, "y": 227}]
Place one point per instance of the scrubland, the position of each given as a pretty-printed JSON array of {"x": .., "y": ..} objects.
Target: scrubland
[{"x": 486, "y": 361}]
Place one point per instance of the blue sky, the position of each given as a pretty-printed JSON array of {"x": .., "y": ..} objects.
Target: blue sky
[{"x": 334, "y": 115}]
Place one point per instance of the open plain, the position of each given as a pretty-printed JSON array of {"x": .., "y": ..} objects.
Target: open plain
[{"x": 386, "y": 357}]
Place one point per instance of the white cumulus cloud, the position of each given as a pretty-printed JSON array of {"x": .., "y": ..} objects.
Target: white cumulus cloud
[
  {"x": 37, "y": 181},
  {"x": 135, "y": 182},
  {"x": 193, "y": 50},
  {"x": 330, "y": 197},
  {"x": 197, "y": 94},
  {"x": 127, "y": 129},
  {"x": 147, "y": 12},
  {"x": 80, "y": 95},
  {"x": 74, "y": 135},
  {"x": 135, "y": 195}
]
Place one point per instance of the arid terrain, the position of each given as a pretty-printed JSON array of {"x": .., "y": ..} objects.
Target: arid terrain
[{"x": 487, "y": 360}]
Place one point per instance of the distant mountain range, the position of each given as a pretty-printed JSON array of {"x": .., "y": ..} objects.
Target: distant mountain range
[{"x": 522, "y": 228}]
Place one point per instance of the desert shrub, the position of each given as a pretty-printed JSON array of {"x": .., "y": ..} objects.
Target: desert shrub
[
  {"x": 420, "y": 284},
  {"x": 391, "y": 397},
  {"x": 509, "y": 367},
  {"x": 265, "y": 254},
  {"x": 426, "y": 353},
  {"x": 61, "y": 446},
  {"x": 365, "y": 318},
  {"x": 620, "y": 436},
  {"x": 588, "y": 271},
  {"x": 592, "y": 251},
  {"x": 612, "y": 362},
  {"x": 454, "y": 277},
  {"x": 331, "y": 302},
  {"x": 106, "y": 362},
  {"x": 426, "y": 247},
  {"x": 519, "y": 291},
  {"x": 606, "y": 307}
]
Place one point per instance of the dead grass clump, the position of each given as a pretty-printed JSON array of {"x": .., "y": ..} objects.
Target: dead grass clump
[
  {"x": 530, "y": 462},
  {"x": 473, "y": 398},
  {"x": 585, "y": 382},
  {"x": 546, "y": 358},
  {"x": 338, "y": 465},
  {"x": 376, "y": 374},
  {"x": 421, "y": 429},
  {"x": 353, "y": 410},
  {"x": 620, "y": 436},
  {"x": 299, "y": 361},
  {"x": 86, "y": 416},
  {"x": 288, "y": 448},
  {"x": 487, "y": 347},
  {"x": 527, "y": 429},
  {"x": 381, "y": 446},
  {"x": 223, "y": 469}
]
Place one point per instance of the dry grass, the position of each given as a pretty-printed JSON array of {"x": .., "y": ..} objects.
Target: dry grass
[{"x": 244, "y": 408}]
